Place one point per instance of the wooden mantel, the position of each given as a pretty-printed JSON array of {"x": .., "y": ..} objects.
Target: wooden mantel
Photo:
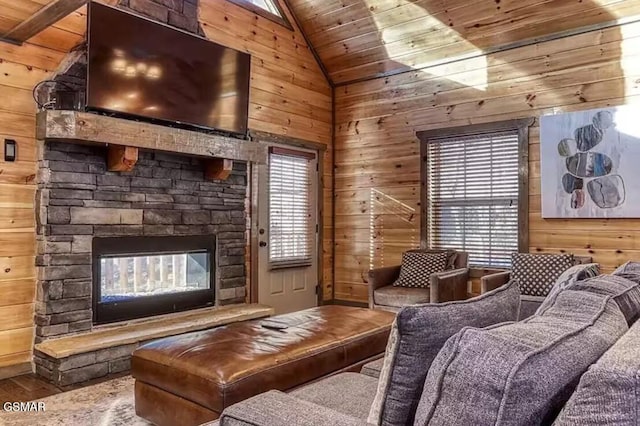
[{"x": 82, "y": 127}]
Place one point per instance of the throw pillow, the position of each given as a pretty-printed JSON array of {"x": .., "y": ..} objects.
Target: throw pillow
[
  {"x": 417, "y": 335},
  {"x": 609, "y": 393},
  {"x": 629, "y": 267},
  {"x": 572, "y": 275},
  {"x": 624, "y": 291},
  {"x": 536, "y": 273},
  {"x": 520, "y": 373},
  {"x": 417, "y": 267}
]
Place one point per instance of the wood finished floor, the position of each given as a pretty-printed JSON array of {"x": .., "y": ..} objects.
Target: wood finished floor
[
  {"x": 30, "y": 387},
  {"x": 25, "y": 388}
]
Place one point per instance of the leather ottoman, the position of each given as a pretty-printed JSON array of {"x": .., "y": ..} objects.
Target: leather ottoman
[{"x": 190, "y": 379}]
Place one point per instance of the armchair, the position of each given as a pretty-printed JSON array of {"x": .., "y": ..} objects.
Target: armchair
[
  {"x": 443, "y": 286},
  {"x": 529, "y": 304}
]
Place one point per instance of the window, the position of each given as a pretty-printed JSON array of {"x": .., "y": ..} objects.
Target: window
[
  {"x": 291, "y": 227},
  {"x": 269, "y": 9},
  {"x": 475, "y": 196}
]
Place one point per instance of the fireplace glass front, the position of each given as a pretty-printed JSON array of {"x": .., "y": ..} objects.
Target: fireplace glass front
[{"x": 137, "y": 277}]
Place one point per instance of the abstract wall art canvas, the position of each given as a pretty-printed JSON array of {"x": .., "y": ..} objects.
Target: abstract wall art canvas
[{"x": 590, "y": 163}]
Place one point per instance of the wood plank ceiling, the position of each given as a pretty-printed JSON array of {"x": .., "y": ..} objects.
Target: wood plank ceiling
[
  {"x": 361, "y": 39},
  {"x": 60, "y": 37},
  {"x": 15, "y": 12}
]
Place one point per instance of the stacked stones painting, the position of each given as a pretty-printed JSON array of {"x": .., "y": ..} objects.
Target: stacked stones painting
[{"x": 590, "y": 164}]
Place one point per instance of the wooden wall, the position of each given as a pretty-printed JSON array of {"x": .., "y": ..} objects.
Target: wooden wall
[
  {"x": 289, "y": 96},
  {"x": 21, "y": 67},
  {"x": 377, "y": 155}
]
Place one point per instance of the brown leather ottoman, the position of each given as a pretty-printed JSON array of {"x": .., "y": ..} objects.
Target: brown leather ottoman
[{"x": 190, "y": 379}]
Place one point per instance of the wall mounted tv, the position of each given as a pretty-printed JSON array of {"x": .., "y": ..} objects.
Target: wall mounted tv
[{"x": 140, "y": 68}]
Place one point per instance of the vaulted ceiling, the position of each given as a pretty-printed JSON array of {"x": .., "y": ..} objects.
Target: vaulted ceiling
[
  {"x": 359, "y": 39},
  {"x": 363, "y": 39}
]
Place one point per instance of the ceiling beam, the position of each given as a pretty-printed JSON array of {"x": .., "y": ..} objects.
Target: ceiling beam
[{"x": 45, "y": 17}]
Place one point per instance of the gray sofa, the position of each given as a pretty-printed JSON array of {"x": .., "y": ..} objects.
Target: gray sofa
[{"x": 575, "y": 362}]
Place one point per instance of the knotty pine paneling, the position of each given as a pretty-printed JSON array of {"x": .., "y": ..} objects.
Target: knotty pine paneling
[
  {"x": 377, "y": 172},
  {"x": 289, "y": 96},
  {"x": 368, "y": 38}
]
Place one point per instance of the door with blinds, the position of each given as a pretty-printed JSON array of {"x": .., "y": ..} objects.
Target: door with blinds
[{"x": 287, "y": 230}]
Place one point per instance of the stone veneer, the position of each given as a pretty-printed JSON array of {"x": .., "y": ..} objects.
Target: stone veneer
[{"x": 165, "y": 194}]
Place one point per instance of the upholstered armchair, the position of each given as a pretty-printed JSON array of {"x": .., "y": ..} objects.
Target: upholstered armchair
[
  {"x": 445, "y": 286},
  {"x": 529, "y": 303}
]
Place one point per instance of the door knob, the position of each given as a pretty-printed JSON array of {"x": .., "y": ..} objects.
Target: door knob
[{"x": 263, "y": 244}]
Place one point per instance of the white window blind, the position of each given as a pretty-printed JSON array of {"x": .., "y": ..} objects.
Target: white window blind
[
  {"x": 291, "y": 231},
  {"x": 472, "y": 196}
]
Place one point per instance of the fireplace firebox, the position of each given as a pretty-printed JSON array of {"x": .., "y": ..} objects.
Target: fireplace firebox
[{"x": 136, "y": 277}]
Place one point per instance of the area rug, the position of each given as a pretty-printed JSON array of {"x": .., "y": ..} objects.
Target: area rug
[{"x": 105, "y": 404}]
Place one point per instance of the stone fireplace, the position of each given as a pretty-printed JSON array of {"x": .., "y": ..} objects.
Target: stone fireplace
[
  {"x": 159, "y": 233},
  {"x": 164, "y": 195}
]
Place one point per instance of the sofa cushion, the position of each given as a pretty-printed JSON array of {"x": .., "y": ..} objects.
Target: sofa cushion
[
  {"x": 418, "y": 266},
  {"x": 624, "y": 291},
  {"x": 416, "y": 337},
  {"x": 400, "y": 296},
  {"x": 609, "y": 393},
  {"x": 347, "y": 393},
  {"x": 373, "y": 368},
  {"x": 275, "y": 408},
  {"x": 536, "y": 273},
  {"x": 520, "y": 373}
]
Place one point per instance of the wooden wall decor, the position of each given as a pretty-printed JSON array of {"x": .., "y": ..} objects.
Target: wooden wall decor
[
  {"x": 121, "y": 158},
  {"x": 218, "y": 169},
  {"x": 377, "y": 170}
]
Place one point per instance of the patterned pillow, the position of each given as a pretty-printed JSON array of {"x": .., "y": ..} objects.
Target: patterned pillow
[
  {"x": 536, "y": 273},
  {"x": 574, "y": 274},
  {"x": 417, "y": 267}
]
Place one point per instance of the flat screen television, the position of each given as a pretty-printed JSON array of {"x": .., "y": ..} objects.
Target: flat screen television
[{"x": 140, "y": 68}]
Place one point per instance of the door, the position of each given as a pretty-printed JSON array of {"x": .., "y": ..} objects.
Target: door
[{"x": 288, "y": 229}]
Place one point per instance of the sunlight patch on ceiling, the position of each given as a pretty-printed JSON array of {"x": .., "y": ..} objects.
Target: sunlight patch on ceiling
[
  {"x": 419, "y": 45},
  {"x": 629, "y": 87}
]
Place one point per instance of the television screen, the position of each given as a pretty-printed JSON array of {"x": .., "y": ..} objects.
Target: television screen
[{"x": 145, "y": 69}]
